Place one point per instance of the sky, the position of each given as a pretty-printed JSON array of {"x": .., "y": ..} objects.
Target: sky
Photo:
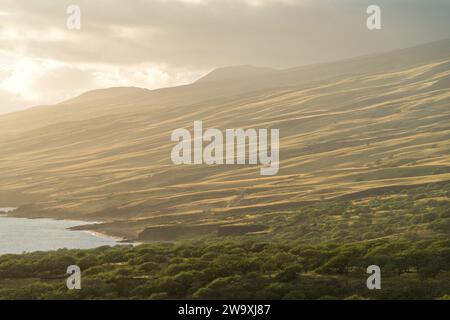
[{"x": 162, "y": 43}]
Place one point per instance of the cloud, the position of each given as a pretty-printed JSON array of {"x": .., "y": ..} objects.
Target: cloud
[
  {"x": 167, "y": 42},
  {"x": 27, "y": 82}
]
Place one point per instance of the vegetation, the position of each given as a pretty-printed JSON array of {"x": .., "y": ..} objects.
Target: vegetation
[
  {"x": 317, "y": 252},
  {"x": 234, "y": 269},
  {"x": 421, "y": 212}
]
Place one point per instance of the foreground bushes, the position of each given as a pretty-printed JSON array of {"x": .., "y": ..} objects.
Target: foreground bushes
[
  {"x": 316, "y": 252},
  {"x": 230, "y": 269}
]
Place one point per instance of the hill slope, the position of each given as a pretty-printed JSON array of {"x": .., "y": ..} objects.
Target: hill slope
[{"x": 346, "y": 127}]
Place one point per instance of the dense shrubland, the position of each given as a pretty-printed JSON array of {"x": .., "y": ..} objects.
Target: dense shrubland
[{"x": 317, "y": 252}]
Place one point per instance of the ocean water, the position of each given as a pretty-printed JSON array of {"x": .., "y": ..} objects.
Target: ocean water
[{"x": 18, "y": 235}]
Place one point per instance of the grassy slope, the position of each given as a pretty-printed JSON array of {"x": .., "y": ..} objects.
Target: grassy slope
[{"x": 345, "y": 127}]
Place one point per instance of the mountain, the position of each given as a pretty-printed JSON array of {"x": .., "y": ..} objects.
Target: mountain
[
  {"x": 240, "y": 73},
  {"x": 346, "y": 128}
]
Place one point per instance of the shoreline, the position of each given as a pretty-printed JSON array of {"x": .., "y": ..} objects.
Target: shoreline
[
  {"x": 80, "y": 226},
  {"x": 99, "y": 234}
]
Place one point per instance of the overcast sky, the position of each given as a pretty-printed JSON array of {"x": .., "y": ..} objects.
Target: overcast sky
[{"x": 160, "y": 43}]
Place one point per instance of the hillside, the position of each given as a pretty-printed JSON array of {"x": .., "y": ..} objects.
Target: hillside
[{"x": 347, "y": 127}]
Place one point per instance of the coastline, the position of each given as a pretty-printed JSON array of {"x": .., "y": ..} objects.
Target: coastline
[
  {"x": 79, "y": 225},
  {"x": 93, "y": 226},
  {"x": 99, "y": 234}
]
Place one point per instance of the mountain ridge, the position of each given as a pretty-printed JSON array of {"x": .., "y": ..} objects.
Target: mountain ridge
[
  {"x": 235, "y": 72},
  {"x": 439, "y": 49},
  {"x": 108, "y": 159}
]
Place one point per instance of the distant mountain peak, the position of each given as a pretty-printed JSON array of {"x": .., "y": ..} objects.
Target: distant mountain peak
[
  {"x": 235, "y": 72},
  {"x": 114, "y": 91}
]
